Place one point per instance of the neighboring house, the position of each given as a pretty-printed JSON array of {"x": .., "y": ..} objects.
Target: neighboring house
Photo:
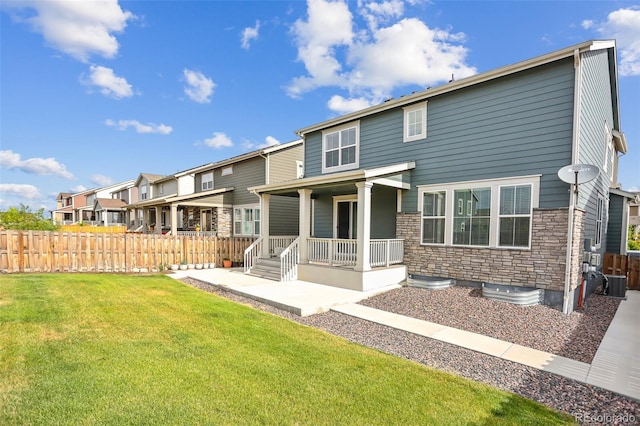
[
  {"x": 214, "y": 197},
  {"x": 634, "y": 216},
  {"x": 623, "y": 212},
  {"x": 461, "y": 181},
  {"x": 63, "y": 214}
]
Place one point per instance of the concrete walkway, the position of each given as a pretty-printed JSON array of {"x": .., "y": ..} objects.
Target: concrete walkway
[{"x": 615, "y": 367}]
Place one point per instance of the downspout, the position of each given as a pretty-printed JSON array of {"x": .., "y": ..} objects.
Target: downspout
[{"x": 573, "y": 200}]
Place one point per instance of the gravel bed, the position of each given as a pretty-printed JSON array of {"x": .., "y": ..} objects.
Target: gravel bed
[
  {"x": 576, "y": 336},
  {"x": 588, "y": 404}
]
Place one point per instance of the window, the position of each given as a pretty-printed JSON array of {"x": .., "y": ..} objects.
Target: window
[
  {"x": 609, "y": 152},
  {"x": 599, "y": 220},
  {"x": 246, "y": 220},
  {"x": 143, "y": 192},
  {"x": 471, "y": 222},
  {"x": 515, "y": 216},
  {"x": 227, "y": 171},
  {"x": 496, "y": 213},
  {"x": 415, "y": 122},
  {"x": 161, "y": 188},
  {"x": 340, "y": 148},
  {"x": 299, "y": 169},
  {"x": 433, "y": 217},
  {"x": 207, "y": 181}
]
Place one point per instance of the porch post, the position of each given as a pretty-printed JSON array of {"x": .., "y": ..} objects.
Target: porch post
[
  {"x": 174, "y": 219},
  {"x": 364, "y": 226},
  {"x": 158, "y": 228},
  {"x": 264, "y": 223},
  {"x": 305, "y": 223}
]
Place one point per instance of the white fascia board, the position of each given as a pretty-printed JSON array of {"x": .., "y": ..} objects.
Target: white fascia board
[
  {"x": 197, "y": 195},
  {"x": 459, "y": 84},
  {"x": 335, "y": 177},
  {"x": 278, "y": 147}
]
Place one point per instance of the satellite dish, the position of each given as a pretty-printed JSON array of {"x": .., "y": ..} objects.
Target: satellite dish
[{"x": 578, "y": 173}]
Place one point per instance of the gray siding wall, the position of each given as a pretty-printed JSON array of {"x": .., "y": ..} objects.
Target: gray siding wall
[
  {"x": 283, "y": 217},
  {"x": 615, "y": 233},
  {"x": 168, "y": 188},
  {"x": 282, "y": 164},
  {"x": 595, "y": 110},
  {"x": 245, "y": 174},
  {"x": 513, "y": 126}
]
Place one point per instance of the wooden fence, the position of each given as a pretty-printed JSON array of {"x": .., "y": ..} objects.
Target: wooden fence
[
  {"x": 45, "y": 251},
  {"x": 629, "y": 266}
]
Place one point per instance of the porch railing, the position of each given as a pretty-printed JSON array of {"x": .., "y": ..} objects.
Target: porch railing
[
  {"x": 278, "y": 243},
  {"x": 342, "y": 252},
  {"x": 289, "y": 260},
  {"x": 386, "y": 252}
]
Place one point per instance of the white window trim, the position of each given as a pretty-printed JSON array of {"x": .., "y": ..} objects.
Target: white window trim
[
  {"x": 256, "y": 218},
  {"x": 226, "y": 171},
  {"x": 422, "y": 107},
  {"x": 143, "y": 192},
  {"x": 609, "y": 152},
  {"x": 202, "y": 183},
  {"x": 494, "y": 228},
  {"x": 530, "y": 215},
  {"x": 299, "y": 169},
  {"x": 423, "y": 217},
  {"x": 342, "y": 167},
  {"x": 599, "y": 222}
]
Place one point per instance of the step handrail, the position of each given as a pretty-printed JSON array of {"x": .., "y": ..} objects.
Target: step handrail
[
  {"x": 251, "y": 253},
  {"x": 289, "y": 259}
]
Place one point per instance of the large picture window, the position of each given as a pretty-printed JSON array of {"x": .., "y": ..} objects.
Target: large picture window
[
  {"x": 496, "y": 213},
  {"x": 515, "y": 215},
  {"x": 433, "y": 217},
  {"x": 472, "y": 216},
  {"x": 340, "y": 148}
]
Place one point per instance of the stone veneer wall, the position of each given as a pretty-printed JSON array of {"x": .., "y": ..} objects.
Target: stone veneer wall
[
  {"x": 543, "y": 266},
  {"x": 223, "y": 220}
]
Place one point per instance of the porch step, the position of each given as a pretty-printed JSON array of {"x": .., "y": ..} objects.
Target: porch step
[{"x": 268, "y": 268}]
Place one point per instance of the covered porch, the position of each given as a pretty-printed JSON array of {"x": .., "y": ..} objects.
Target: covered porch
[{"x": 347, "y": 236}]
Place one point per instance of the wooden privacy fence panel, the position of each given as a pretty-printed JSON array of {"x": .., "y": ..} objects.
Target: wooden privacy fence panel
[
  {"x": 618, "y": 264},
  {"x": 45, "y": 251}
]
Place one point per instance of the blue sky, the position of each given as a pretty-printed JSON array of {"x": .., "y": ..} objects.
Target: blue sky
[{"x": 97, "y": 92}]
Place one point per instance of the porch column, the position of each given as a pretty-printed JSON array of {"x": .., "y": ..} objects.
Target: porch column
[
  {"x": 305, "y": 223},
  {"x": 174, "y": 219},
  {"x": 264, "y": 223},
  {"x": 158, "y": 228},
  {"x": 364, "y": 226}
]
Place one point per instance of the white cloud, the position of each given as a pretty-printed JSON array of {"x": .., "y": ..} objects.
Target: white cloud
[
  {"x": 101, "y": 180},
  {"x": 199, "y": 88},
  {"x": 110, "y": 84},
  {"x": 587, "y": 23},
  {"x": 28, "y": 192},
  {"x": 36, "y": 165},
  {"x": 218, "y": 140},
  {"x": 623, "y": 25},
  {"x": 162, "y": 129},
  {"x": 78, "y": 188},
  {"x": 343, "y": 106},
  {"x": 77, "y": 28},
  {"x": 336, "y": 54},
  {"x": 268, "y": 141},
  {"x": 249, "y": 34}
]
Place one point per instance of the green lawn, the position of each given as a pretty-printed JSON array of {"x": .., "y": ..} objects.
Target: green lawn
[{"x": 116, "y": 349}]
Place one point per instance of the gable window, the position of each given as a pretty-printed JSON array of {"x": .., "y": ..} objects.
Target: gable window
[
  {"x": 433, "y": 217},
  {"x": 207, "y": 181},
  {"x": 161, "y": 188},
  {"x": 515, "y": 216},
  {"x": 486, "y": 213},
  {"x": 226, "y": 171},
  {"x": 246, "y": 220},
  {"x": 143, "y": 192},
  {"x": 340, "y": 148},
  {"x": 415, "y": 122}
]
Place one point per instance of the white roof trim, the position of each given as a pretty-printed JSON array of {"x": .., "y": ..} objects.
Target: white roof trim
[
  {"x": 459, "y": 84},
  {"x": 360, "y": 174}
]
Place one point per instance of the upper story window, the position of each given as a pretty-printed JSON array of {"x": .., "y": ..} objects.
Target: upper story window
[
  {"x": 227, "y": 171},
  {"x": 415, "y": 122},
  {"x": 340, "y": 148},
  {"x": 600, "y": 207},
  {"x": 609, "y": 152},
  {"x": 161, "y": 188},
  {"x": 487, "y": 213},
  {"x": 207, "y": 181},
  {"x": 299, "y": 169},
  {"x": 143, "y": 192}
]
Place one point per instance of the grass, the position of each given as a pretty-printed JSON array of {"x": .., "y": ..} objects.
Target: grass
[{"x": 117, "y": 349}]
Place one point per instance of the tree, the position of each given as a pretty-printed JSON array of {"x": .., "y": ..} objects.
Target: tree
[
  {"x": 24, "y": 219},
  {"x": 633, "y": 241}
]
